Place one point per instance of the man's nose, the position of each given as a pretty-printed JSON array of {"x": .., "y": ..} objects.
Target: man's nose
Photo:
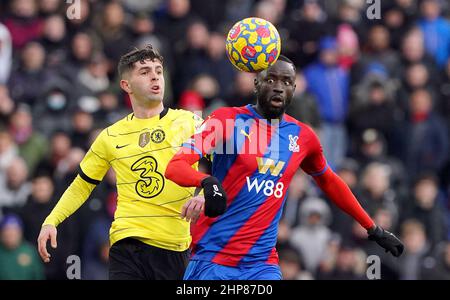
[
  {"x": 277, "y": 88},
  {"x": 154, "y": 77}
]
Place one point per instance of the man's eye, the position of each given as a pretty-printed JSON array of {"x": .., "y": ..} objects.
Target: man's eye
[
  {"x": 144, "y": 73},
  {"x": 288, "y": 83},
  {"x": 270, "y": 81}
]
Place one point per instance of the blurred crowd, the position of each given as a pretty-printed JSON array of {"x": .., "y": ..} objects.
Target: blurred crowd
[{"x": 377, "y": 91}]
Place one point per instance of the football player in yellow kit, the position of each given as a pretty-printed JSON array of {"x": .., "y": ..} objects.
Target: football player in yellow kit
[{"x": 149, "y": 238}]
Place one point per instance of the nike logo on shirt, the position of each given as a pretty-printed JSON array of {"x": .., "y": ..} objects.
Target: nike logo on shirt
[{"x": 119, "y": 147}]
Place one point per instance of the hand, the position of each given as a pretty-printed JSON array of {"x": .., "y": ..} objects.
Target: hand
[
  {"x": 215, "y": 197},
  {"x": 48, "y": 232},
  {"x": 387, "y": 240},
  {"x": 192, "y": 208}
]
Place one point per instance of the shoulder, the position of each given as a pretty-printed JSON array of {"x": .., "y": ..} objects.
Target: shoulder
[
  {"x": 182, "y": 117},
  {"x": 291, "y": 120},
  {"x": 228, "y": 112},
  {"x": 116, "y": 127},
  {"x": 180, "y": 113},
  {"x": 306, "y": 131}
]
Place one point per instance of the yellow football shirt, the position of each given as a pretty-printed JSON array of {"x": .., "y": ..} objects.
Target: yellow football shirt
[{"x": 148, "y": 205}]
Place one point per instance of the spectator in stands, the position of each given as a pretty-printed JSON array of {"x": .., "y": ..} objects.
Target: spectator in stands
[
  {"x": 378, "y": 51},
  {"x": 54, "y": 39},
  {"x": 18, "y": 258},
  {"x": 425, "y": 207},
  {"x": 416, "y": 249},
  {"x": 291, "y": 265},
  {"x": 113, "y": 31},
  {"x": 329, "y": 83},
  {"x": 23, "y": 23},
  {"x": 373, "y": 147},
  {"x": 28, "y": 83},
  {"x": 14, "y": 185},
  {"x": 110, "y": 111},
  {"x": 298, "y": 192},
  {"x": 50, "y": 7},
  {"x": 82, "y": 124},
  {"x": 438, "y": 266},
  {"x": 311, "y": 237},
  {"x": 193, "y": 55},
  {"x": 243, "y": 89},
  {"x": 378, "y": 112},
  {"x": 304, "y": 105},
  {"x": 436, "y": 31},
  {"x": 376, "y": 191},
  {"x": 60, "y": 146},
  {"x": 5, "y": 54},
  {"x": 174, "y": 22},
  {"x": 38, "y": 206},
  {"x": 96, "y": 251},
  {"x": 427, "y": 139},
  {"x": 8, "y": 150},
  {"x": 92, "y": 78},
  {"x": 390, "y": 268},
  {"x": 80, "y": 52},
  {"x": 413, "y": 50},
  {"x": 347, "y": 267},
  {"x": 54, "y": 108},
  {"x": 7, "y": 105},
  {"x": 83, "y": 20},
  {"x": 32, "y": 144},
  {"x": 444, "y": 90},
  {"x": 303, "y": 45}
]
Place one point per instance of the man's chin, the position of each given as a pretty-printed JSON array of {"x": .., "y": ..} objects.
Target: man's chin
[{"x": 275, "y": 112}]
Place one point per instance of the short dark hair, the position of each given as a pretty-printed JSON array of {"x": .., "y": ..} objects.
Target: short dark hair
[
  {"x": 426, "y": 176},
  {"x": 285, "y": 59},
  {"x": 127, "y": 61}
]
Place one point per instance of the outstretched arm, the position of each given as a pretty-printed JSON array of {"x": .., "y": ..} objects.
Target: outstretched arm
[
  {"x": 92, "y": 169},
  {"x": 338, "y": 192}
]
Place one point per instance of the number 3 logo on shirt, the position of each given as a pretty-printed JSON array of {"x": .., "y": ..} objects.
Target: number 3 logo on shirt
[{"x": 151, "y": 183}]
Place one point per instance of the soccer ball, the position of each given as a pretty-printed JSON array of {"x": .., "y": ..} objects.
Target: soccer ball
[{"x": 253, "y": 44}]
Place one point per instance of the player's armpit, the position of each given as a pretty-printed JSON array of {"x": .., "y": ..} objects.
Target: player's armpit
[
  {"x": 180, "y": 170},
  {"x": 338, "y": 192}
]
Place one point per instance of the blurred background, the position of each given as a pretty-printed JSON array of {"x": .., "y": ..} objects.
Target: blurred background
[{"x": 376, "y": 91}]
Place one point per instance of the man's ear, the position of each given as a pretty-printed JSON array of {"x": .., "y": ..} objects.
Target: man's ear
[
  {"x": 256, "y": 83},
  {"x": 125, "y": 85}
]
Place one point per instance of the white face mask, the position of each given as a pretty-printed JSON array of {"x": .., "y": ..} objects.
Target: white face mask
[{"x": 56, "y": 101}]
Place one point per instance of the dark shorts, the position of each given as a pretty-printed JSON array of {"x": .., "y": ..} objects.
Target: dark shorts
[{"x": 130, "y": 259}]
